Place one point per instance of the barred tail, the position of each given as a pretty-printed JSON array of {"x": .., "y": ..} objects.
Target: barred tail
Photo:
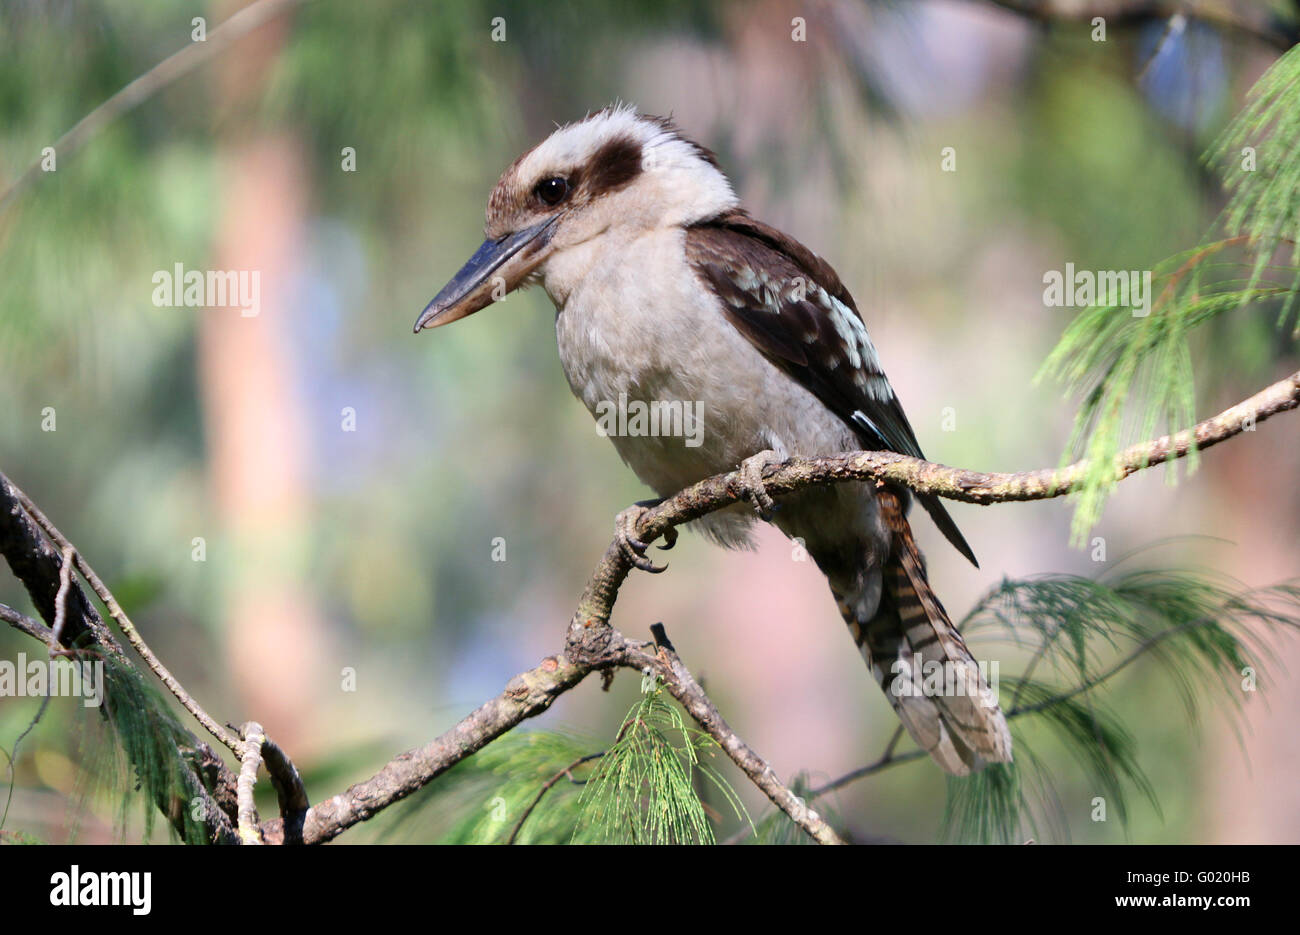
[{"x": 948, "y": 709}]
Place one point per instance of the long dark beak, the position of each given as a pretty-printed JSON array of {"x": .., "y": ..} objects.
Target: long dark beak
[{"x": 495, "y": 269}]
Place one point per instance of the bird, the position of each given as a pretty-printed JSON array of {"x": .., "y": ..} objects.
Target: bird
[{"x": 667, "y": 289}]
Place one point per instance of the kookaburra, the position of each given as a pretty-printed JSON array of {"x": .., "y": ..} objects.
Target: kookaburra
[{"x": 665, "y": 289}]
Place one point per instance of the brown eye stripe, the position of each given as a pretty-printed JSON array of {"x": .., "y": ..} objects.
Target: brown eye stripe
[{"x": 613, "y": 165}]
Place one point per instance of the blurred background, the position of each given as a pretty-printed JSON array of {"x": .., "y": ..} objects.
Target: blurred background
[{"x": 300, "y": 509}]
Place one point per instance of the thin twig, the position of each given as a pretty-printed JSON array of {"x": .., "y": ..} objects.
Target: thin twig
[
  {"x": 20, "y": 621},
  {"x": 128, "y": 628},
  {"x": 60, "y": 614},
  {"x": 151, "y": 82},
  {"x": 289, "y": 790},
  {"x": 1251, "y": 19},
  {"x": 887, "y": 758},
  {"x": 250, "y": 758},
  {"x": 37, "y": 565},
  {"x": 682, "y": 685},
  {"x": 546, "y": 787},
  {"x": 1176, "y": 25},
  {"x": 1049, "y": 639},
  {"x": 1096, "y": 680},
  {"x": 41, "y": 570}
]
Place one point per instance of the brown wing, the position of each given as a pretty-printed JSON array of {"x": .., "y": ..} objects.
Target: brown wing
[{"x": 793, "y": 307}]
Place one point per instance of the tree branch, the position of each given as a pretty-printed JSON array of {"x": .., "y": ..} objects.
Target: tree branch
[
  {"x": 1251, "y": 18},
  {"x": 41, "y": 570},
  {"x": 250, "y": 756},
  {"x": 920, "y": 476},
  {"x": 25, "y": 624},
  {"x": 124, "y": 623},
  {"x": 591, "y": 644},
  {"x": 687, "y": 691},
  {"x": 289, "y": 790},
  {"x": 39, "y": 567},
  {"x": 527, "y": 695}
]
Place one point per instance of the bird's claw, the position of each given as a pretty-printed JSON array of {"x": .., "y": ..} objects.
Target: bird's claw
[
  {"x": 632, "y": 547},
  {"x": 751, "y": 482}
]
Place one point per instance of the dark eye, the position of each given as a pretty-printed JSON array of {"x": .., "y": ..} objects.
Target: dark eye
[{"x": 552, "y": 191}]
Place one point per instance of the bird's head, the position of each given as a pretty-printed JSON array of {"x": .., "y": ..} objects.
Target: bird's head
[{"x": 617, "y": 170}]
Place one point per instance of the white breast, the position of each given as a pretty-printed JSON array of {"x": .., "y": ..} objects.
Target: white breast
[{"x": 634, "y": 323}]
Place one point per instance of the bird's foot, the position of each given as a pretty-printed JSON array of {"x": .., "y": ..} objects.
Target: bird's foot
[
  {"x": 751, "y": 482},
  {"x": 625, "y": 528}
]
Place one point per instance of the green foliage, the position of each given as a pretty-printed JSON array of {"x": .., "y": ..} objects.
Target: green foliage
[
  {"x": 1119, "y": 361},
  {"x": 1201, "y": 634},
  {"x": 145, "y": 759},
  {"x": 1135, "y": 372},
  {"x": 775, "y": 826},
  {"x": 1074, "y": 620},
  {"x": 485, "y": 797},
  {"x": 643, "y": 790},
  {"x": 986, "y": 806},
  {"x": 548, "y": 787},
  {"x": 1256, "y": 156}
]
